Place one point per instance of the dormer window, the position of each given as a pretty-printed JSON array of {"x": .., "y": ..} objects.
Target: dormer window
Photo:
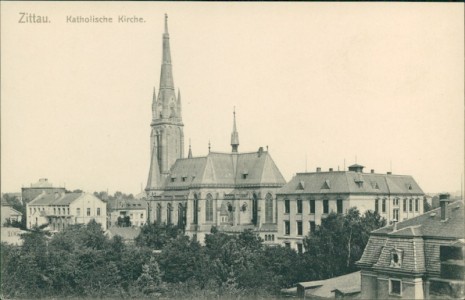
[
  {"x": 245, "y": 173},
  {"x": 396, "y": 258},
  {"x": 301, "y": 185},
  {"x": 409, "y": 186},
  {"x": 327, "y": 184},
  {"x": 184, "y": 178},
  {"x": 173, "y": 179}
]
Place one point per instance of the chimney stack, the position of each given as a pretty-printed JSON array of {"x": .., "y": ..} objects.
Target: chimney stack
[
  {"x": 372, "y": 171},
  {"x": 444, "y": 200},
  {"x": 330, "y": 169},
  {"x": 318, "y": 169},
  {"x": 389, "y": 173}
]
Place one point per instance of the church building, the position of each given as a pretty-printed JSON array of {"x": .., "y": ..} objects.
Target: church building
[{"x": 232, "y": 191}]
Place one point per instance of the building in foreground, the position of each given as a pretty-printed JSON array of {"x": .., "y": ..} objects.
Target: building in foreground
[
  {"x": 62, "y": 209},
  {"x": 422, "y": 257},
  {"x": 232, "y": 191},
  {"x": 309, "y": 197}
]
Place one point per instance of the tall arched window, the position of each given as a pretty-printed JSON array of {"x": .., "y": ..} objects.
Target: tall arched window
[
  {"x": 196, "y": 209},
  {"x": 255, "y": 209},
  {"x": 158, "y": 213},
  {"x": 209, "y": 208},
  {"x": 169, "y": 210},
  {"x": 181, "y": 215},
  {"x": 269, "y": 208}
]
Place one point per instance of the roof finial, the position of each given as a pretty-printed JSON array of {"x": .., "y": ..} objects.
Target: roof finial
[
  {"x": 190, "y": 150},
  {"x": 166, "y": 23},
  {"x": 234, "y": 134},
  {"x": 209, "y": 146}
]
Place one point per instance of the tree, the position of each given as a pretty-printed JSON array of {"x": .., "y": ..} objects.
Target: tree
[
  {"x": 157, "y": 235},
  {"x": 426, "y": 206},
  {"x": 338, "y": 242}
]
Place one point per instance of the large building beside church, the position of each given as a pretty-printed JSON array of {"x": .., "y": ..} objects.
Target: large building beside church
[{"x": 232, "y": 191}]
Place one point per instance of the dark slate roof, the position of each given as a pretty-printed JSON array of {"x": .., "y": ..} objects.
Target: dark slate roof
[
  {"x": 50, "y": 199},
  {"x": 350, "y": 182},
  {"x": 225, "y": 169},
  {"x": 430, "y": 225},
  {"x": 410, "y": 235}
]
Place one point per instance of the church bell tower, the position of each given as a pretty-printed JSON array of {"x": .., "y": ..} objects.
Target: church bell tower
[{"x": 167, "y": 136}]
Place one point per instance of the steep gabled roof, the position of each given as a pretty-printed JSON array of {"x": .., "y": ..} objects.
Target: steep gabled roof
[{"x": 227, "y": 169}]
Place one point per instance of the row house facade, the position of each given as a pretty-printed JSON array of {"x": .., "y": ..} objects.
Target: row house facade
[
  {"x": 310, "y": 197},
  {"x": 59, "y": 210}
]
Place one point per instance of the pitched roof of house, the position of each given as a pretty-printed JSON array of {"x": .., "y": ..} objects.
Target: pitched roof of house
[
  {"x": 226, "y": 169},
  {"x": 341, "y": 182},
  {"x": 127, "y": 233},
  {"x": 350, "y": 283},
  {"x": 430, "y": 224},
  {"x": 55, "y": 198},
  {"x": 409, "y": 236}
]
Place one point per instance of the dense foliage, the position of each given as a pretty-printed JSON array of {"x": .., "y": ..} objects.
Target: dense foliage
[{"x": 82, "y": 261}]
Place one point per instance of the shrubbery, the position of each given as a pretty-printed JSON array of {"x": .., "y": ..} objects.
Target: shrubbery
[{"x": 82, "y": 262}]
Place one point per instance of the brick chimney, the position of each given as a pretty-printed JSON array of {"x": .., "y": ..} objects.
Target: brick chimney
[
  {"x": 330, "y": 169},
  {"x": 318, "y": 169},
  {"x": 444, "y": 200}
]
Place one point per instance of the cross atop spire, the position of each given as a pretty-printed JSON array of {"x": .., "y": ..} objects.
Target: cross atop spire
[{"x": 234, "y": 134}]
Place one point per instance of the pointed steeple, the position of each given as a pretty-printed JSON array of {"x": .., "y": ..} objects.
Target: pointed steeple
[
  {"x": 154, "y": 181},
  {"x": 234, "y": 134},
  {"x": 189, "y": 155},
  {"x": 166, "y": 78}
]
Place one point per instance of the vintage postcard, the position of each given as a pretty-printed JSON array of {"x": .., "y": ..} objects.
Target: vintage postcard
[{"x": 232, "y": 150}]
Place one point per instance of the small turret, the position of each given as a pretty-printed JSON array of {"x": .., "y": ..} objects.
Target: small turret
[{"x": 234, "y": 135}]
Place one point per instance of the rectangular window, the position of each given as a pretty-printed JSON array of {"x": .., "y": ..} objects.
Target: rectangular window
[
  {"x": 287, "y": 206},
  {"x": 54, "y": 210},
  {"x": 287, "y": 228},
  {"x": 299, "y": 228},
  {"x": 312, "y": 206},
  {"x": 98, "y": 211},
  {"x": 287, "y": 244},
  {"x": 383, "y": 208},
  {"x": 59, "y": 210},
  {"x": 416, "y": 205},
  {"x": 78, "y": 211},
  {"x": 68, "y": 210},
  {"x": 141, "y": 216},
  {"x": 410, "y": 205},
  {"x": 88, "y": 211},
  {"x": 312, "y": 226},
  {"x": 299, "y": 206},
  {"x": 404, "y": 204},
  {"x": 377, "y": 205},
  {"x": 325, "y": 206},
  {"x": 300, "y": 248},
  {"x": 395, "y": 214},
  {"x": 339, "y": 206},
  {"x": 395, "y": 287}
]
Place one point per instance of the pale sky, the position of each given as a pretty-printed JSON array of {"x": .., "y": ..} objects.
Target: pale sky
[{"x": 318, "y": 83}]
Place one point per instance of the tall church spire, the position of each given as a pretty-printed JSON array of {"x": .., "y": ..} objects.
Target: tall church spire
[
  {"x": 234, "y": 134},
  {"x": 166, "y": 77},
  {"x": 167, "y": 137}
]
